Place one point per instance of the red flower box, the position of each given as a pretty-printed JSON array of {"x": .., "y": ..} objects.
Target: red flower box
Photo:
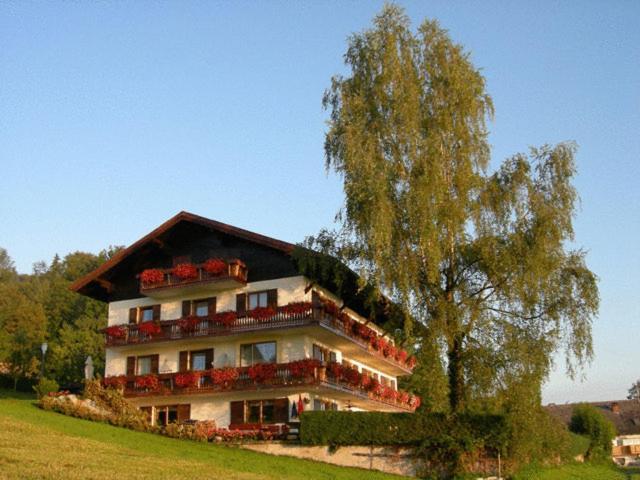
[
  {"x": 303, "y": 368},
  {"x": 262, "y": 372},
  {"x": 261, "y": 313},
  {"x": 117, "y": 381},
  {"x": 334, "y": 370},
  {"x": 414, "y": 401},
  {"x": 297, "y": 308},
  {"x": 363, "y": 331},
  {"x": 215, "y": 266},
  {"x": 116, "y": 331},
  {"x": 189, "y": 324},
  {"x": 187, "y": 379},
  {"x": 390, "y": 350},
  {"x": 147, "y": 382},
  {"x": 224, "y": 376},
  {"x": 352, "y": 376},
  {"x": 150, "y": 328},
  {"x": 152, "y": 276},
  {"x": 331, "y": 308},
  {"x": 401, "y": 356},
  {"x": 411, "y": 362},
  {"x": 185, "y": 271},
  {"x": 389, "y": 393},
  {"x": 226, "y": 318}
]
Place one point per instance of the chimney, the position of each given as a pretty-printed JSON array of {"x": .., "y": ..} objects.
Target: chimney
[{"x": 615, "y": 407}]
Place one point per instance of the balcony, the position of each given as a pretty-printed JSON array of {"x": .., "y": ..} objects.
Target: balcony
[
  {"x": 346, "y": 336},
  {"x": 311, "y": 376},
  {"x": 169, "y": 284}
]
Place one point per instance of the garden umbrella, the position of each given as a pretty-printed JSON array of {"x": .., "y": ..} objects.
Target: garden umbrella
[{"x": 300, "y": 405}]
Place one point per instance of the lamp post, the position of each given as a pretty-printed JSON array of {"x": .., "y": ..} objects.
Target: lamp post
[{"x": 43, "y": 349}]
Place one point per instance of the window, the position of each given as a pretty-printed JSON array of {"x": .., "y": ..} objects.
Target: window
[
  {"x": 146, "y": 314},
  {"x": 258, "y": 299},
  {"x": 201, "y": 308},
  {"x": 264, "y": 411},
  {"x": 253, "y": 353},
  {"x": 199, "y": 361},
  {"x": 144, "y": 365},
  {"x": 318, "y": 404},
  {"x": 318, "y": 352}
]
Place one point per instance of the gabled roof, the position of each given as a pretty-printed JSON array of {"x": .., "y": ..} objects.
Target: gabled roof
[
  {"x": 183, "y": 216},
  {"x": 625, "y": 414}
]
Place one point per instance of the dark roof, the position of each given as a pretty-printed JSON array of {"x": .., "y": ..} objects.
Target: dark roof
[
  {"x": 81, "y": 283},
  {"x": 627, "y": 420}
]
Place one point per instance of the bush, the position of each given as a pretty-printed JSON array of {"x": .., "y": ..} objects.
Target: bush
[
  {"x": 45, "y": 386},
  {"x": 587, "y": 420},
  {"x": 410, "y": 429},
  {"x": 579, "y": 445}
]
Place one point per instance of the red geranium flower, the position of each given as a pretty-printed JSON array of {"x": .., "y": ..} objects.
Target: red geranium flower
[
  {"x": 189, "y": 324},
  {"x": 115, "y": 381},
  {"x": 116, "y": 331},
  {"x": 185, "y": 271},
  {"x": 150, "y": 328},
  {"x": 261, "y": 313},
  {"x": 297, "y": 308},
  {"x": 222, "y": 376},
  {"x": 303, "y": 368},
  {"x": 152, "y": 276},
  {"x": 401, "y": 356},
  {"x": 262, "y": 372},
  {"x": 226, "y": 318},
  {"x": 187, "y": 379},
  {"x": 215, "y": 266},
  {"x": 148, "y": 382}
]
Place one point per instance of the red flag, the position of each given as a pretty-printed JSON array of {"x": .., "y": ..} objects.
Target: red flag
[{"x": 300, "y": 405}]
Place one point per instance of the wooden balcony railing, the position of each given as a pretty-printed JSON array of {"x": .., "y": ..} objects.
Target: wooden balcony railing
[
  {"x": 285, "y": 377},
  {"x": 209, "y": 327},
  {"x": 235, "y": 275}
]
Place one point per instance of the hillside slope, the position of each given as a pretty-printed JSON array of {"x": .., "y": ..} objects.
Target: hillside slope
[{"x": 46, "y": 445}]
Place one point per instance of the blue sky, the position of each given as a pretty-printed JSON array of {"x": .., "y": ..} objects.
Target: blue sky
[{"x": 114, "y": 116}]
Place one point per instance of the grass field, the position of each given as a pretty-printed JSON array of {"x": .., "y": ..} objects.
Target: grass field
[
  {"x": 35, "y": 444},
  {"x": 578, "y": 472}
]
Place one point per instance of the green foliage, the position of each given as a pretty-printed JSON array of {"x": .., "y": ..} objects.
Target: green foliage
[
  {"x": 587, "y": 420},
  {"x": 579, "y": 446},
  {"x": 336, "y": 428},
  {"x": 634, "y": 391},
  {"x": 45, "y": 386},
  {"x": 41, "y": 306},
  {"x": 478, "y": 259}
]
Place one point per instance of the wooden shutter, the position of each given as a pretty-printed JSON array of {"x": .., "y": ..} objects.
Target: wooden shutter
[
  {"x": 183, "y": 362},
  {"x": 208, "y": 358},
  {"x": 156, "y": 312},
  {"x": 272, "y": 298},
  {"x": 281, "y": 410},
  {"x": 237, "y": 412},
  {"x": 184, "y": 412},
  {"x": 186, "y": 308},
  {"x": 155, "y": 363},
  {"x": 133, "y": 315},
  {"x": 241, "y": 304},
  {"x": 131, "y": 366},
  {"x": 211, "y": 305}
]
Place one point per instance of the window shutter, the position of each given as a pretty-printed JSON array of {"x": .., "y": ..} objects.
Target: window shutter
[
  {"x": 183, "y": 362},
  {"x": 272, "y": 298},
  {"x": 315, "y": 298},
  {"x": 131, "y": 366},
  {"x": 184, "y": 412},
  {"x": 186, "y": 308},
  {"x": 155, "y": 363},
  {"x": 237, "y": 412},
  {"x": 156, "y": 312},
  {"x": 241, "y": 304},
  {"x": 208, "y": 358},
  {"x": 281, "y": 410},
  {"x": 133, "y": 315},
  {"x": 211, "y": 305}
]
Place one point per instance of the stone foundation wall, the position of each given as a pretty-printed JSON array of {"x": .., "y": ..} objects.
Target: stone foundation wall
[{"x": 386, "y": 459}]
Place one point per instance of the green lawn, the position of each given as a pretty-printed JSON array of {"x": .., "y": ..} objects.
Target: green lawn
[
  {"x": 578, "y": 472},
  {"x": 35, "y": 444}
]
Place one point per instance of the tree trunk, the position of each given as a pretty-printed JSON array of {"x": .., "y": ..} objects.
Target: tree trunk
[{"x": 456, "y": 374}]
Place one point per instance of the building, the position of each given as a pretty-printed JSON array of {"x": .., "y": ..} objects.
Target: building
[
  {"x": 625, "y": 416},
  {"x": 212, "y": 322}
]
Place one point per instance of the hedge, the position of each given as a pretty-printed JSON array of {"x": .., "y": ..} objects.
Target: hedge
[{"x": 401, "y": 429}]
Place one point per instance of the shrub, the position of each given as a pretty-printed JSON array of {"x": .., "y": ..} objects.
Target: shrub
[
  {"x": 45, "y": 386},
  {"x": 587, "y": 420}
]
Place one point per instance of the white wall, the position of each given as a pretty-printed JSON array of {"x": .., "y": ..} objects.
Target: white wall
[{"x": 290, "y": 289}]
